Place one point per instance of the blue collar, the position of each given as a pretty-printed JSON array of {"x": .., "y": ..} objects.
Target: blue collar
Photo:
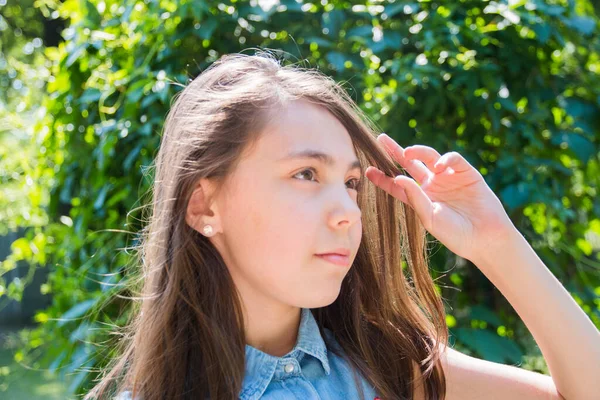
[{"x": 260, "y": 366}]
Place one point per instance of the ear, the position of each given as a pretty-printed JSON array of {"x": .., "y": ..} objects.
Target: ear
[{"x": 201, "y": 208}]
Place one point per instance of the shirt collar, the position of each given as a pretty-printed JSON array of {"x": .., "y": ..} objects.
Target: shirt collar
[{"x": 260, "y": 366}]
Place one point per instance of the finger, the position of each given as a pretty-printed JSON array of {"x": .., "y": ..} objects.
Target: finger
[
  {"x": 385, "y": 182},
  {"x": 417, "y": 170},
  {"x": 453, "y": 160},
  {"x": 426, "y": 154},
  {"x": 417, "y": 199}
]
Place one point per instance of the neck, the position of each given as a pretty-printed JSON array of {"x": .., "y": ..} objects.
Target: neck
[{"x": 272, "y": 329}]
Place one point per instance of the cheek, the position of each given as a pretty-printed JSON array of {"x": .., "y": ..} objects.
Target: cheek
[
  {"x": 272, "y": 225},
  {"x": 286, "y": 223}
]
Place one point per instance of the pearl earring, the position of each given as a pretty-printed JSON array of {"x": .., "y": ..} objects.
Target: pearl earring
[{"x": 208, "y": 230}]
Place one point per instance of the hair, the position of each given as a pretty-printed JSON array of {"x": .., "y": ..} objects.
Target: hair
[{"x": 185, "y": 339}]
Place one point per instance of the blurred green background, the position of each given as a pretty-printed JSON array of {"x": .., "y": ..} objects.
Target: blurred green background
[{"x": 85, "y": 85}]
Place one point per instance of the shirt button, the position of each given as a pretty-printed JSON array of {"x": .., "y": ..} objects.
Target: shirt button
[{"x": 289, "y": 368}]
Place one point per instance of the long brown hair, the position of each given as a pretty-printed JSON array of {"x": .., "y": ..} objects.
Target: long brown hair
[{"x": 186, "y": 338}]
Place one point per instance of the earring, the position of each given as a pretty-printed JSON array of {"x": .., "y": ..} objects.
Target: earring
[{"x": 208, "y": 230}]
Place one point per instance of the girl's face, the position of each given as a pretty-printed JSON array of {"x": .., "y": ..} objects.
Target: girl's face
[{"x": 279, "y": 211}]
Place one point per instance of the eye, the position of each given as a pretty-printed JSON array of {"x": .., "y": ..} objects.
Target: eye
[
  {"x": 355, "y": 185},
  {"x": 311, "y": 170}
]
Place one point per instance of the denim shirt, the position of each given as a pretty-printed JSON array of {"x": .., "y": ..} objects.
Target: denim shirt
[{"x": 308, "y": 372}]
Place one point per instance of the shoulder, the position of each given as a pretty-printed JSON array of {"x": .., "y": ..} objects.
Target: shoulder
[{"x": 473, "y": 378}]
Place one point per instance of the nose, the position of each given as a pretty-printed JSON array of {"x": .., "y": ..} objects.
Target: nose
[{"x": 345, "y": 211}]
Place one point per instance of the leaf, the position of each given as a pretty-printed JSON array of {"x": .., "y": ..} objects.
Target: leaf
[
  {"x": 136, "y": 90},
  {"x": 101, "y": 196},
  {"x": 337, "y": 59},
  {"x": 131, "y": 157},
  {"x": 508, "y": 104},
  {"x": 93, "y": 16},
  {"x": 320, "y": 41},
  {"x": 117, "y": 197},
  {"x": 579, "y": 108},
  {"x": 489, "y": 345},
  {"x": 394, "y": 9},
  {"x": 67, "y": 187},
  {"x": 90, "y": 95},
  {"x": 515, "y": 195},
  {"x": 21, "y": 249},
  {"x": 578, "y": 144},
  {"x": 482, "y": 313},
  {"x": 584, "y": 246},
  {"x": 553, "y": 164},
  {"x": 550, "y": 10},
  {"x": 542, "y": 32},
  {"x": 125, "y": 16},
  {"x": 149, "y": 99},
  {"x": 80, "y": 332},
  {"x": 392, "y": 40},
  {"x": 75, "y": 54},
  {"x": 292, "y": 5},
  {"x": 585, "y": 25},
  {"x": 76, "y": 311},
  {"x": 207, "y": 28},
  {"x": 199, "y": 9},
  {"x": 363, "y": 31},
  {"x": 79, "y": 363},
  {"x": 109, "y": 282},
  {"x": 57, "y": 361},
  {"x": 333, "y": 22}
]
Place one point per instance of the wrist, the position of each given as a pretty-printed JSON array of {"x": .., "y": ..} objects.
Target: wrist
[{"x": 497, "y": 251}]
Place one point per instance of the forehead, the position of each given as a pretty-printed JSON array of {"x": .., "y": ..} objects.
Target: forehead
[{"x": 301, "y": 126}]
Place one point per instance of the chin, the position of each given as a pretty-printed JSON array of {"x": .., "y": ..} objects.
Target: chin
[{"x": 324, "y": 300}]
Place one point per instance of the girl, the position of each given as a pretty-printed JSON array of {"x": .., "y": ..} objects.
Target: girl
[{"x": 273, "y": 269}]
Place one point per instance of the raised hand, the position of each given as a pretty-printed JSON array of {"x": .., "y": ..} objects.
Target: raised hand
[{"x": 449, "y": 196}]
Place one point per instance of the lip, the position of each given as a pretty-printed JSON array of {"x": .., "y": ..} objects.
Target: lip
[
  {"x": 337, "y": 259},
  {"x": 342, "y": 251}
]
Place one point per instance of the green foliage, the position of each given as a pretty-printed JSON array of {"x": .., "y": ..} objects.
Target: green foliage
[
  {"x": 22, "y": 79},
  {"x": 25, "y": 382},
  {"x": 513, "y": 87}
]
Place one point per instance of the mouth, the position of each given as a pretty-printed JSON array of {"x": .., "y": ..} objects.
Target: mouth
[{"x": 335, "y": 258}]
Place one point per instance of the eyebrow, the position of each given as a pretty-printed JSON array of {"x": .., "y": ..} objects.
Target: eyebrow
[{"x": 320, "y": 156}]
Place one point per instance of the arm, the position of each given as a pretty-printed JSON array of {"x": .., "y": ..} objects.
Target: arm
[
  {"x": 456, "y": 205},
  {"x": 469, "y": 378},
  {"x": 565, "y": 335},
  {"x": 567, "y": 338}
]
